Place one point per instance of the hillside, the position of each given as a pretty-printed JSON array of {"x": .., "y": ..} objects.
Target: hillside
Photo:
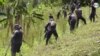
[{"x": 85, "y": 41}]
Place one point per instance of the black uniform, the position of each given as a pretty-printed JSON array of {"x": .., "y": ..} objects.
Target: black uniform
[
  {"x": 50, "y": 29},
  {"x": 78, "y": 5},
  {"x": 72, "y": 21},
  {"x": 93, "y": 11},
  {"x": 72, "y": 7},
  {"x": 65, "y": 13},
  {"x": 92, "y": 15},
  {"x": 58, "y": 14},
  {"x": 79, "y": 16},
  {"x": 16, "y": 40}
]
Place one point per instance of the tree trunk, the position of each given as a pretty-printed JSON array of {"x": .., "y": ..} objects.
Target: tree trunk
[{"x": 10, "y": 19}]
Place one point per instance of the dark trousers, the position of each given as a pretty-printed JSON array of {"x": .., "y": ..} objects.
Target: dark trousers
[
  {"x": 48, "y": 35},
  {"x": 15, "y": 48},
  {"x": 92, "y": 17},
  {"x": 72, "y": 25},
  {"x": 82, "y": 18},
  {"x": 65, "y": 15}
]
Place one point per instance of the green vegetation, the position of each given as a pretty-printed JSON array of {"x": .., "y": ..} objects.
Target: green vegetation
[{"x": 85, "y": 41}]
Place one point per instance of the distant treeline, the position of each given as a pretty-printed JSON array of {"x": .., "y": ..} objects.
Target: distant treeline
[
  {"x": 58, "y": 2},
  {"x": 63, "y": 2},
  {"x": 83, "y": 2}
]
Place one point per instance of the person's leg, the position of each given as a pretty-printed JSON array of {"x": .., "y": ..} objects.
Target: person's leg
[
  {"x": 77, "y": 22},
  {"x": 83, "y": 19},
  {"x": 18, "y": 48},
  {"x": 72, "y": 26},
  {"x": 48, "y": 37},
  {"x": 45, "y": 35},
  {"x": 55, "y": 34},
  {"x": 90, "y": 17},
  {"x": 13, "y": 49},
  {"x": 94, "y": 18}
]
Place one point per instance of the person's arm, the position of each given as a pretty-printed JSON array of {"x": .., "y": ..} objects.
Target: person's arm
[
  {"x": 46, "y": 27},
  {"x": 81, "y": 12},
  {"x": 13, "y": 34},
  {"x": 55, "y": 26},
  {"x": 69, "y": 20}
]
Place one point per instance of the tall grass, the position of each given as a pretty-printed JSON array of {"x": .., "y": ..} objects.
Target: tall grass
[{"x": 83, "y": 42}]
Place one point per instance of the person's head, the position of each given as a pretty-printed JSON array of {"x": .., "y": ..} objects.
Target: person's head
[
  {"x": 50, "y": 14},
  {"x": 78, "y": 7},
  {"x": 17, "y": 27},
  {"x": 51, "y": 19}
]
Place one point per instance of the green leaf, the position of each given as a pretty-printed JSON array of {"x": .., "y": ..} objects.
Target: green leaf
[
  {"x": 2, "y": 20},
  {"x": 2, "y": 14},
  {"x": 33, "y": 21},
  {"x": 39, "y": 16}
]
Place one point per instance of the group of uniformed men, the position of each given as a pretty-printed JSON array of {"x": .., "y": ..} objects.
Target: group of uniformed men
[{"x": 50, "y": 28}]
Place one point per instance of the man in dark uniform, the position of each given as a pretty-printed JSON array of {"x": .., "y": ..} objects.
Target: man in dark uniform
[
  {"x": 79, "y": 15},
  {"x": 50, "y": 29},
  {"x": 50, "y": 16},
  {"x": 72, "y": 21},
  {"x": 65, "y": 13},
  {"x": 93, "y": 10},
  {"x": 16, "y": 40},
  {"x": 58, "y": 14},
  {"x": 72, "y": 7}
]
